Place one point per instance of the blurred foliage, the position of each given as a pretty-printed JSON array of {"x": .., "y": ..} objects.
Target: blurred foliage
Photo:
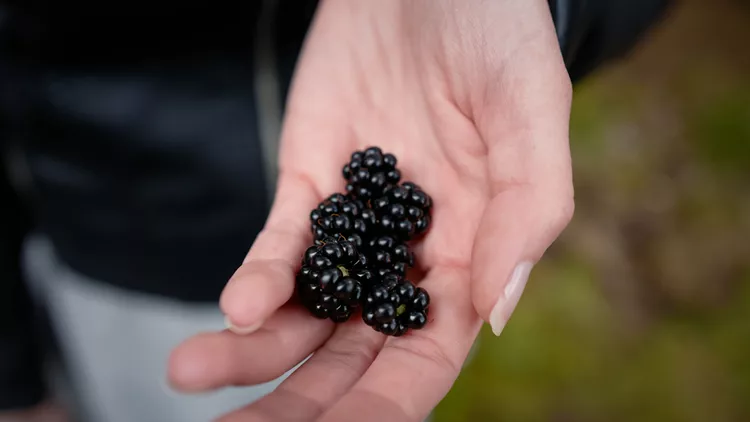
[{"x": 641, "y": 310}]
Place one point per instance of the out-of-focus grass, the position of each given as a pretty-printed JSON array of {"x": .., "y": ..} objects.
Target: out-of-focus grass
[
  {"x": 641, "y": 311},
  {"x": 721, "y": 130},
  {"x": 576, "y": 361}
]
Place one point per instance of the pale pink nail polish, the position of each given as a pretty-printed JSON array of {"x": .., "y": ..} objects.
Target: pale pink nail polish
[{"x": 507, "y": 302}]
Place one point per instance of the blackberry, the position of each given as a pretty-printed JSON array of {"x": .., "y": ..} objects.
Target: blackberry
[
  {"x": 395, "y": 306},
  {"x": 369, "y": 173},
  {"x": 329, "y": 284},
  {"x": 339, "y": 214},
  {"x": 403, "y": 211},
  {"x": 386, "y": 253}
]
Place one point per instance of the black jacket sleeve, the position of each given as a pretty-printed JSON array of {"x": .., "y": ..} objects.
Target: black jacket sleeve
[
  {"x": 593, "y": 32},
  {"x": 21, "y": 377}
]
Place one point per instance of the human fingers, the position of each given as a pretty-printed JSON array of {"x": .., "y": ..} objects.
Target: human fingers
[
  {"x": 413, "y": 373},
  {"x": 213, "y": 360},
  {"x": 320, "y": 381},
  {"x": 265, "y": 280},
  {"x": 525, "y": 126}
]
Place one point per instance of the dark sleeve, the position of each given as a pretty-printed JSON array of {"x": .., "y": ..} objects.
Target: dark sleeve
[
  {"x": 21, "y": 380},
  {"x": 593, "y": 32}
]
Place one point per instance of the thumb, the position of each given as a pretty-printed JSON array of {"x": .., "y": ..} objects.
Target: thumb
[
  {"x": 517, "y": 228},
  {"x": 532, "y": 193}
]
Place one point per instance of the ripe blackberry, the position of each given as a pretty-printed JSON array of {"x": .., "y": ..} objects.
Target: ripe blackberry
[
  {"x": 395, "y": 306},
  {"x": 329, "y": 284},
  {"x": 338, "y": 214},
  {"x": 388, "y": 253},
  {"x": 370, "y": 172},
  {"x": 403, "y": 211}
]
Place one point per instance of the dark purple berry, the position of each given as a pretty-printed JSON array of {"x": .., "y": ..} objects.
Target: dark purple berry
[
  {"x": 330, "y": 282},
  {"x": 369, "y": 173},
  {"x": 340, "y": 215},
  {"x": 360, "y": 254},
  {"x": 395, "y": 306},
  {"x": 403, "y": 211},
  {"x": 387, "y": 253}
]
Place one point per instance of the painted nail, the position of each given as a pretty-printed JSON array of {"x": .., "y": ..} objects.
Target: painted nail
[
  {"x": 511, "y": 295},
  {"x": 241, "y": 330}
]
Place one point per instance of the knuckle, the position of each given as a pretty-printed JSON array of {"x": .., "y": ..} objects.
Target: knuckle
[
  {"x": 274, "y": 241},
  {"x": 349, "y": 353},
  {"x": 253, "y": 280},
  {"x": 567, "y": 210},
  {"x": 275, "y": 406},
  {"x": 556, "y": 204},
  {"x": 560, "y": 83},
  {"x": 427, "y": 350},
  {"x": 350, "y": 357},
  {"x": 560, "y": 198},
  {"x": 566, "y": 89},
  {"x": 263, "y": 269}
]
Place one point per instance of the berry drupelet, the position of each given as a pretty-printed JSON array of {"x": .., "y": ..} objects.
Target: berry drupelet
[
  {"x": 404, "y": 211},
  {"x": 386, "y": 253},
  {"x": 395, "y": 306},
  {"x": 362, "y": 251},
  {"x": 329, "y": 284},
  {"x": 369, "y": 173},
  {"x": 340, "y": 215}
]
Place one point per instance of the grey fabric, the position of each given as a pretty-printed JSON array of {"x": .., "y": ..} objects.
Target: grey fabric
[{"x": 115, "y": 344}]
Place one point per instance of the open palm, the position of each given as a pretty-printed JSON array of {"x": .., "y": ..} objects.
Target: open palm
[{"x": 473, "y": 99}]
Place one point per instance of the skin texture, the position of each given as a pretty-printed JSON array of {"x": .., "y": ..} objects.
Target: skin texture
[{"x": 474, "y": 100}]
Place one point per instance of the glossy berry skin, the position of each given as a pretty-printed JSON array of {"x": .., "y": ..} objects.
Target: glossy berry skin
[
  {"x": 330, "y": 282},
  {"x": 404, "y": 211},
  {"x": 395, "y": 306},
  {"x": 369, "y": 173},
  {"x": 386, "y": 253},
  {"x": 340, "y": 215}
]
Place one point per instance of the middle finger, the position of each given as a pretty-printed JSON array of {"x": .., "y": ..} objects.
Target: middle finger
[{"x": 320, "y": 381}]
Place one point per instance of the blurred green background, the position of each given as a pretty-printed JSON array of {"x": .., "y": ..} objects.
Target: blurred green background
[{"x": 641, "y": 310}]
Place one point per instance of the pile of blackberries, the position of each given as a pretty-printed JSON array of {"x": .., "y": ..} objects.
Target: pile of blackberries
[{"x": 361, "y": 251}]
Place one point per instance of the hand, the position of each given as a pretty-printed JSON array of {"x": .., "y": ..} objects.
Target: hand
[
  {"x": 44, "y": 412},
  {"x": 474, "y": 100}
]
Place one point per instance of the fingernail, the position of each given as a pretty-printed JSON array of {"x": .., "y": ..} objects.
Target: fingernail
[
  {"x": 507, "y": 302},
  {"x": 240, "y": 329}
]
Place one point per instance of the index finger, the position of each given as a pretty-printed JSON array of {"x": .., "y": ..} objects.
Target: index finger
[{"x": 265, "y": 280}]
